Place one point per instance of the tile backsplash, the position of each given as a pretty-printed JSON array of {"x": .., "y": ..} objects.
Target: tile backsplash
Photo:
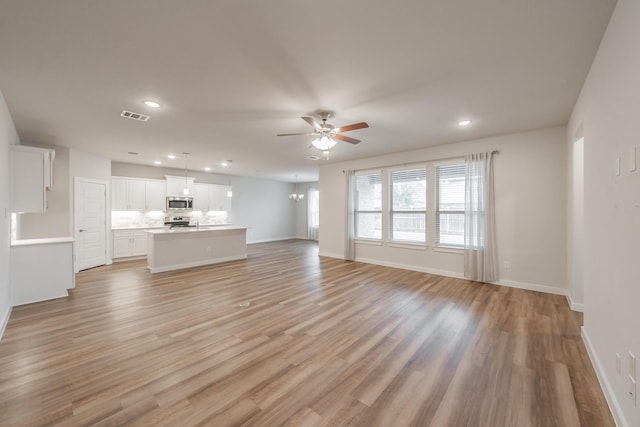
[{"x": 134, "y": 219}]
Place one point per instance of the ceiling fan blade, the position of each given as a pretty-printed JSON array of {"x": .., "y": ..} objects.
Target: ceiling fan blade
[
  {"x": 313, "y": 123},
  {"x": 352, "y": 127},
  {"x": 293, "y": 134},
  {"x": 346, "y": 139}
]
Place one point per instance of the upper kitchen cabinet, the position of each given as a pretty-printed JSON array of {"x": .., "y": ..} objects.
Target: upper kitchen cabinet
[
  {"x": 155, "y": 195},
  {"x": 201, "y": 197},
  {"x": 129, "y": 194},
  {"x": 31, "y": 176},
  {"x": 176, "y": 185},
  {"x": 218, "y": 199}
]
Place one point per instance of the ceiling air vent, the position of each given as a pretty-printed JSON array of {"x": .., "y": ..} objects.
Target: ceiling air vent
[{"x": 134, "y": 116}]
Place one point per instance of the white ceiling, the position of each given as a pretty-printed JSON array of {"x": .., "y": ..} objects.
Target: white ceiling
[{"x": 230, "y": 75}]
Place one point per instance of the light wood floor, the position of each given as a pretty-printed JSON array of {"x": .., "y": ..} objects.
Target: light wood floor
[{"x": 290, "y": 338}]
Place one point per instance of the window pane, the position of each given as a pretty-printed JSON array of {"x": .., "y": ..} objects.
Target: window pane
[
  {"x": 409, "y": 190},
  {"x": 369, "y": 192},
  {"x": 409, "y": 227},
  {"x": 314, "y": 208},
  {"x": 450, "y": 186},
  {"x": 451, "y": 228},
  {"x": 369, "y": 225}
]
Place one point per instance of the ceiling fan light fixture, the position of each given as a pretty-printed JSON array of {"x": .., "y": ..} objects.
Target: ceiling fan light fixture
[{"x": 324, "y": 143}]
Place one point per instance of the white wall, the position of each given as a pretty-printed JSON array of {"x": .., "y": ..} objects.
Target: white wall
[
  {"x": 264, "y": 207},
  {"x": 8, "y": 136},
  {"x": 260, "y": 204},
  {"x": 607, "y": 112},
  {"x": 530, "y": 190}
]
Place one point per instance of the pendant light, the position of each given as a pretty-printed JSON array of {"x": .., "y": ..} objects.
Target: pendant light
[
  {"x": 296, "y": 197},
  {"x": 185, "y": 190}
]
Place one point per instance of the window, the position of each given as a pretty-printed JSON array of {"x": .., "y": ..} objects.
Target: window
[
  {"x": 450, "y": 204},
  {"x": 314, "y": 208},
  {"x": 368, "y": 206},
  {"x": 313, "y": 214},
  {"x": 408, "y": 205}
]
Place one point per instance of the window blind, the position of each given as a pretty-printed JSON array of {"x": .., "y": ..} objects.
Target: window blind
[
  {"x": 408, "y": 193},
  {"x": 368, "y": 206},
  {"x": 450, "y": 187}
]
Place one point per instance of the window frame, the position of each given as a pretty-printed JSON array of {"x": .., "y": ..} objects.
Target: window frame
[
  {"x": 390, "y": 210},
  {"x": 439, "y": 212},
  {"x": 357, "y": 211}
]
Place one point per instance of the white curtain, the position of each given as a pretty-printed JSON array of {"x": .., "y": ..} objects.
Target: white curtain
[
  {"x": 313, "y": 214},
  {"x": 480, "y": 252},
  {"x": 350, "y": 240}
]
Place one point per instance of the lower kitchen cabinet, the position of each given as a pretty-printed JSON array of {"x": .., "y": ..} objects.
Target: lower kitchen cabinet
[{"x": 128, "y": 243}]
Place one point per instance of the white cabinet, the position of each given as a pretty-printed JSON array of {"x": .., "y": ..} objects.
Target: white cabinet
[
  {"x": 175, "y": 185},
  {"x": 129, "y": 194},
  {"x": 127, "y": 243},
  {"x": 31, "y": 176},
  {"x": 211, "y": 197},
  {"x": 155, "y": 195},
  {"x": 218, "y": 199},
  {"x": 201, "y": 197}
]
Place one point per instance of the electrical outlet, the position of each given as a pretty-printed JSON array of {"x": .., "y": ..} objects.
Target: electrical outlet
[
  {"x": 507, "y": 265},
  {"x": 618, "y": 363},
  {"x": 632, "y": 390},
  {"x": 632, "y": 366}
]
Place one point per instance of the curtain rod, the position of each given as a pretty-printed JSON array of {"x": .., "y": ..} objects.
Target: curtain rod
[{"x": 415, "y": 163}]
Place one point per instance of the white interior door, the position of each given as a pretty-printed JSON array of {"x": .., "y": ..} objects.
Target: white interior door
[{"x": 90, "y": 197}]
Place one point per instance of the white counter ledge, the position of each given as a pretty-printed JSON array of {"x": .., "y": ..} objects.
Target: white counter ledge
[
  {"x": 177, "y": 248},
  {"x": 47, "y": 241}
]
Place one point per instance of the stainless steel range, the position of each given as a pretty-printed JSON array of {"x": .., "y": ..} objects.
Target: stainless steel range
[{"x": 177, "y": 221}]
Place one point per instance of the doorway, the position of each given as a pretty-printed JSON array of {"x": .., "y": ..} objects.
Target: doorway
[
  {"x": 90, "y": 223},
  {"x": 577, "y": 221}
]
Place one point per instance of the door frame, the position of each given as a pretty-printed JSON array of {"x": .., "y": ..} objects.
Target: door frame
[{"x": 107, "y": 217}]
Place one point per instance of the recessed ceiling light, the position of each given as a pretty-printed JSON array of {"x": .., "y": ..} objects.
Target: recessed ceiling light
[
  {"x": 207, "y": 168},
  {"x": 133, "y": 153},
  {"x": 464, "y": 122},
  {"x": 171, "y": 156},
  {"x": 158, "y": 162},
  {"x": 152, "y": 104},
  {"x": 225, "y": 164}
]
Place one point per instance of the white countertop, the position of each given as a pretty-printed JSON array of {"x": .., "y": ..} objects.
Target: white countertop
[
  {"x": 202, "y": 229},
  {"x": 160, "y": 227},
  {"x": 47, "y": 241}
]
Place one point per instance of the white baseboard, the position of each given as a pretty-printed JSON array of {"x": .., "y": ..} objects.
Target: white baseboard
[
  {"x": 605, "y": 385},
  {"x": 331, "y": 255},
  {"x": 276, "y": 239},
  {"x": 575, "y": 306},
  {"x": 4, "y": 321},
  {"x": 531, "y": 287},
  {"x": 454, "y": 274},
  {"x": 196, "y": 264},
  {"x": 412, "y": 268}
]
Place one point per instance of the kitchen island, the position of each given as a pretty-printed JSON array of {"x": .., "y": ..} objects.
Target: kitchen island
[{"x": 174, "y": 249}]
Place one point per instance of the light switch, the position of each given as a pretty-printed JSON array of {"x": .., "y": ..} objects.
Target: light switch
[
  {"x": 632, "y": 390},
  {"x": 632, "y": 160},
  {"x": 632, "y": 366},
  {"x": 617, "y": 166},
  {"x": 618, "y": 360}
]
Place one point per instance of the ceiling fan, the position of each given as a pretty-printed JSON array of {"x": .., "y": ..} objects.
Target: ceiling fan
[{"x": 327, "y": 134}]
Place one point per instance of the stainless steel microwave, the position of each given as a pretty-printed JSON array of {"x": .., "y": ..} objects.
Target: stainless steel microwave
[{"x": 177, "y": 203}]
